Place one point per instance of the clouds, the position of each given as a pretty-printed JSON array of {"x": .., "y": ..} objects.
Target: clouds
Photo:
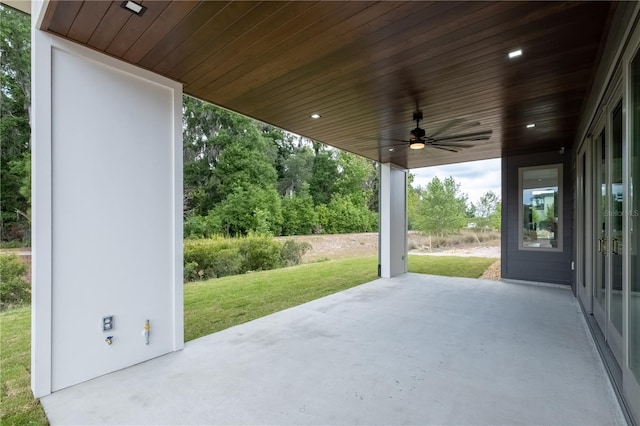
[{"x": 475, "y": 178}]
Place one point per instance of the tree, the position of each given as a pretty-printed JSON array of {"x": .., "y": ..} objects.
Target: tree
[
  {"x": 487, "y": 204},
  {"x": 296, "y": 170},
  {"x": 15, "y": 131},
  {"x": 249, "y": 209},
  {"x": 324, "y": 172},
  {"x": 244, "y": 163},
  {"x": 488, "y": 210},
  {"x": 495, "y": 220},
  {"x": 206, "y": 130},
  {"x": 414, "y": 196},
  {"x": 230, "y": 178},
  {"x": 442, "y": 207},
  {"x": 343, "y": 215},
  {"x": 355, "y": 177},
  {"x": 298, "y": 213}
]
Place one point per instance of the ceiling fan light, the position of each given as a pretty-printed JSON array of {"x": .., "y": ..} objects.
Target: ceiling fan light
[{"x": 416, "y": 145}]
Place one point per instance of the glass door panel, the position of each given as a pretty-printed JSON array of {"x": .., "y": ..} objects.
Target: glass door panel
[
  {"x": 615, "y": 219},
  {"x": 634, "y": 223},
  {"x": 600, "y": 198},
  {"x": 608, "y": 229}
]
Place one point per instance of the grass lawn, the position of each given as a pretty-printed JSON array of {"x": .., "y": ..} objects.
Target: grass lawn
[
  {"x": 17, "y": 405},
  {"x": 450, "y": 266},
  {"x": 214, "y": 305}
]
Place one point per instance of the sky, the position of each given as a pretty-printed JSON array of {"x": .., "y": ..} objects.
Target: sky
[{"x": 475, "y": 178}]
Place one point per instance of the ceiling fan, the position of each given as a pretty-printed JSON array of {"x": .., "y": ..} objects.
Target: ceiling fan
[{"x": 441, "y": 140}]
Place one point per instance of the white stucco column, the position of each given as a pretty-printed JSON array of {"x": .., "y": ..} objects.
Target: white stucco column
[
  {"x": 393, "y": 221},
  {"x": 106, "y": 213}
]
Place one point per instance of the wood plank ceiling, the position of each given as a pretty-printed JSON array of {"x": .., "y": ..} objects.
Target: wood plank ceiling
[{"x": 366, "y": 66}]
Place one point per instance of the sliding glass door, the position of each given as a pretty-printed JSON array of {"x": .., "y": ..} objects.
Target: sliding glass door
[
  {"x": 632, "y": 384},
  {"x": 608, "y": 232}
]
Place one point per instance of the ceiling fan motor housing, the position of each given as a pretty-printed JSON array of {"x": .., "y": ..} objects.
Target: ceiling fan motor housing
[{"x": 417, "y": 133}]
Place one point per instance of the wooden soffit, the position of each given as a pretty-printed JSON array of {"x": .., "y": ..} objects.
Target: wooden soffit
[{"x": 366, "y": 66}]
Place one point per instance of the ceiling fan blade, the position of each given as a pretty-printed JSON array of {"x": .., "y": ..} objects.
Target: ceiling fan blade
[
  {"x": 461, "y": 142},
  {"x": 478, "y": 139},
  {"x": 484, "y": 135},
  {"x": 447, "y": 126},
  {"x": 452, "y": 145},
  {"x": 442, "y": 148}
]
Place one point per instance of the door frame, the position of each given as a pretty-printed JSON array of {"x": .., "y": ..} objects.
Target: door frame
[
  {"x": 593, "y": 191},
  {"x": 584, "y": 241},
  {"x": 630, "y": 382},
  {"x": 615, "y": 339}
]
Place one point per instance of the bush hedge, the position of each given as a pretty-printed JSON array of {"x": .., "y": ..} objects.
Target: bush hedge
[
  {"x": 14, "y": 288},
  {"x": 221, "y": 256}
]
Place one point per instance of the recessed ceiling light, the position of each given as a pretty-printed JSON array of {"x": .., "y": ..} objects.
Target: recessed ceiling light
[
  {"x": 391, "y": 149},
  {"x": 515, "y": 53},
  {"x": 531, "y": 126},
  {"x": 315, "y": 115},
  {"x": 134, "y": 7}
]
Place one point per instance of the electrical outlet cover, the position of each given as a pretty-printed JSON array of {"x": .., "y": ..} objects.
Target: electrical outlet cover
[{"x": 107, "y": 323}]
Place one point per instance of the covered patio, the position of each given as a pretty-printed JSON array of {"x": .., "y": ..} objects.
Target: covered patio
[
  {"x": 414, "y": 349},
  {"x": 544, "y": 86}
]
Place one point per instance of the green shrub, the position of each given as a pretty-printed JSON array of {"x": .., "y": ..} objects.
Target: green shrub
[
  {"x": 292, "y": 252},
  {"x": 225, "y": 262},
  {"x": 299, "y": 215},
  {"x": 211, "y": 258},
  {"x": 259, "y": 253},
  {"x": 191, "y": 271},
  {"x": 194, "y": 227},
  {"x": 14, "y": 288},
  {"x": 219, "y": 257},
  {"x": 346, "y": 214}
]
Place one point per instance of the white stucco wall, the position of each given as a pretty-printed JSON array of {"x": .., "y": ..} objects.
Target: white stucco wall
[
  {"x": 107, "y": 214},
  {"x": 393, "y": 221}
]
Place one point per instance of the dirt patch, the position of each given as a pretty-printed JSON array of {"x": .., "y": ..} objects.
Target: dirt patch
[
  {"x": 337, "y": 246},
  {"x": 492, "y": 272}
]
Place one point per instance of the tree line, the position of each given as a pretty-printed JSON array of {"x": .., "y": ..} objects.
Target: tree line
[
  {"x": 244, "y": 176},
  {"x": 15, "y": 130}
]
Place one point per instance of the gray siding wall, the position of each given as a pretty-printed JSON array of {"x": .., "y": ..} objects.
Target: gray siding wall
[{"x": 530, "y": 265}]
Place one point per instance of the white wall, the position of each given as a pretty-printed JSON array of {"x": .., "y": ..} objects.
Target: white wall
[
  {"x": 393, "y": 221},
  {"x": 107, "y": 207}
]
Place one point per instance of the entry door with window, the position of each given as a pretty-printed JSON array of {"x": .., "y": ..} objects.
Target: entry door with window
[{"x": 608, "y": 221}]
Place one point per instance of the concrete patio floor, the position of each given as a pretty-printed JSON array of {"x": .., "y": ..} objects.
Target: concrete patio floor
[{"x": 415, "y": 349}]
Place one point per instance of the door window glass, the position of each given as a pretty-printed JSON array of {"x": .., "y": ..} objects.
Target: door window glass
[
  {"x": 615, "y": 215},
  {"x": 541, "y": 208},
  {"x": 634, "y": 219}
]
